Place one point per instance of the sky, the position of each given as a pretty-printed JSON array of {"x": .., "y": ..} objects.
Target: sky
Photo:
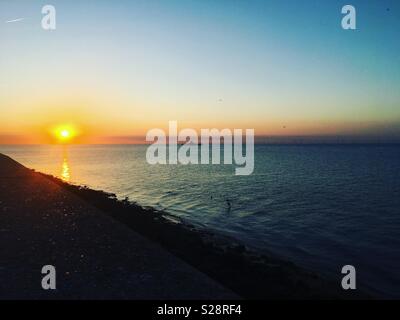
[{"x": 116, "y": 69}]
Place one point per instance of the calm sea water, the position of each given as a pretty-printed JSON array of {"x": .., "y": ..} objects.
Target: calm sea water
[{"x": 321, "y": 207}]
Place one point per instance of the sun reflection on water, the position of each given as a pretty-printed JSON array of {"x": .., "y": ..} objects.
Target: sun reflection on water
[{"x": 65, "y": 170}]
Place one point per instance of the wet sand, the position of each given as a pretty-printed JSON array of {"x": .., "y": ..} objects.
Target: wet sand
[{"x": 104, "y": 248}]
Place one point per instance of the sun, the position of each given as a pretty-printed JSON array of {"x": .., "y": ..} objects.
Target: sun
[{"x": 65, "y": 133}]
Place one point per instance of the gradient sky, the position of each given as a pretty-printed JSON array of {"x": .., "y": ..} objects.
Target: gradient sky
[{"x": 120, "y": 68}]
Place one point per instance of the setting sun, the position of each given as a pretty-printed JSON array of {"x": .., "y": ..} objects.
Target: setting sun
[{"x": 65, "y": 133}]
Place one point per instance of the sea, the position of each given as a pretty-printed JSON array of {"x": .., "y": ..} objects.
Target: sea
[{"x": 320, "y": 206}]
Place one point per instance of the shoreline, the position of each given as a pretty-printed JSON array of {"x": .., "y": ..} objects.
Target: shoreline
[
  {"x": 94, "y": 256},
  {"x": 243, "y": 272},
  {"x": 250, "y": 274}
]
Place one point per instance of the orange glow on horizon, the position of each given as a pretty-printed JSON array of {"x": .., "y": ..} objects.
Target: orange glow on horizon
[{"x": 81, "y": 131}]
